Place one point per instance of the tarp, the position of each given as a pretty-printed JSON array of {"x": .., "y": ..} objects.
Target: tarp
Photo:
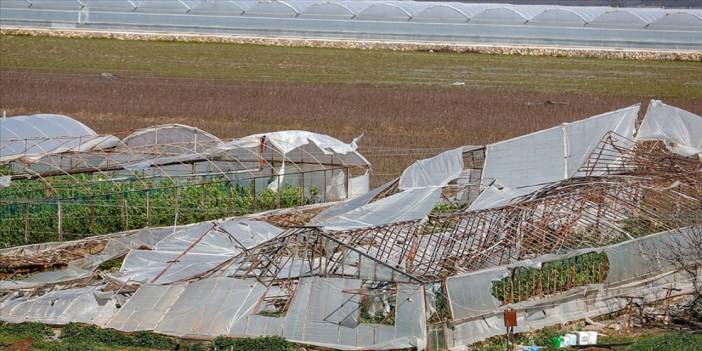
[{"x": 679, "y": 129}]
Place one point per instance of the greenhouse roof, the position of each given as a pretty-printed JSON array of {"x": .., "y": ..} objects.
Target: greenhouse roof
[
  {"x": 404, "y": 21},
  {"x": 36, "y": 135},
  {"x": 438, "y": 11}
]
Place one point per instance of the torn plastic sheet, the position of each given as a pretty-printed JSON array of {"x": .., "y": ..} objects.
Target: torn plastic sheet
[
  {"x": 323, "y": 312},
  {"x": 117, "y": 245},
  {"x": 547, "y": 156},
  {"x": 408, "y": 205},
  {"x": 433, "y": 172},
  {"x": 470, "y": 295},
  {"x": 194, "y": 250},
  {"x": 349, "y": 205},
  {"x": 635, "y": 259},
  {"x": 299, "y": 145},
  {"x": 166, "y": 267},
  {"x": 576, "y": 304},
  {"x": 250, "y": 233},
  {"x": 5, "y": 181},
  {"x": 679, "y": 129},
  {"x": 80, "y": 305}
]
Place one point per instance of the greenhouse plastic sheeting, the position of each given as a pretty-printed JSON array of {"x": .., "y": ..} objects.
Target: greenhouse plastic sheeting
[
  {"x": 170, "y": 138},
  {"x": 194, "y": 250},
  {"x": 524, "y": 164},
  {"x": 477, "y": 314},
  {"x": 39, "y": 135},
  {"x": 679, "y": 129},
  {"x": 415, "y": 21},
  {"x": 82, "y": 305},
  {"x": 348, "y": 205},
  {"x": 644, "y": 257},
  {"x": 433, "y": 172},
  {"x": 438, "y": 11},
  {"x": 421, "y": 185},
  {"x": 287, "y": 141},
  {"x": 407, "y": 205},
  {"x": 323, "y": 312},
  {"x": 117, "y": 245}
]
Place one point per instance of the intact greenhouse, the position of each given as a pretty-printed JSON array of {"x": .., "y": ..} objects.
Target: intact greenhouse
[
  {"x": 415, "y": 21},
  {"x": 63, "y": 181}
]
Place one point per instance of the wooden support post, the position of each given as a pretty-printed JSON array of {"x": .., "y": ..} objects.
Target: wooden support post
[
  {"x": 302, "y": 188},
  {"x": 202, "y": 196},
  {"x": 230, "y": 200},
  {"x": 346, "y": 181},
  {"x": 253, "y": 195},
  {"x": 148, "y": 207},
  {"x": 325, "y": 185},
  {"x": 123, "y": 209},
  {"x": 277, "y": 193},
  {"x": 59, "y": 216},
  {"x": 26, "y": 223},
  {"x": 628, "y": 314},
  {"x": 93, "y": 224}
]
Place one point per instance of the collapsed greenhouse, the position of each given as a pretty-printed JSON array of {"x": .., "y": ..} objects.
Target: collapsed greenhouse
[{"x": 560, "y": 225}]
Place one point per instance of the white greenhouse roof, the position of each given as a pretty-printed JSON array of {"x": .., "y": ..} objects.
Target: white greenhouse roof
[
  {"x": 437, "y": 12},
  {"x": 22, "y": 136}
]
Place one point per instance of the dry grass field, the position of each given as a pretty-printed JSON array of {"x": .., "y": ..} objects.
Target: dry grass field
[{"x": 405, "y": 103}]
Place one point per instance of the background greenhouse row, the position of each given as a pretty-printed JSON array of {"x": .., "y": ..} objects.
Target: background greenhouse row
[{"x": 438, "y": 12}]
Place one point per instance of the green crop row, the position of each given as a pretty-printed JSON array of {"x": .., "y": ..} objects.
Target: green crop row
[
  {"x": 66, "y": 213},
  {"x": 553, "y": 277}
]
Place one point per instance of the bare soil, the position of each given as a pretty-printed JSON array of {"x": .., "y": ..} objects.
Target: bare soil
[{"x": 401, "y": 123}]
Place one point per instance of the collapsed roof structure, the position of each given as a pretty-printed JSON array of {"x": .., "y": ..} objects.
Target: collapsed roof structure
[{"x": 559, "y": 225}]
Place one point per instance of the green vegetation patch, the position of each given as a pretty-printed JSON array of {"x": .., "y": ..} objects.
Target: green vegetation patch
[
  {"x": 675, "y": 341},
  {"x": 553, "y": 277},
  {"x": 76, "y": 337},
  {"x": 272, "y": 63},
  {"x": 30, "y": 211}
]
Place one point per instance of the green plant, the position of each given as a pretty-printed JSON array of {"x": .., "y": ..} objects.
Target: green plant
[
  {"x": 90, "y": 206},
  {"x": 196, "y": 346},
  {"x": 264, "y": 343},
  {"x": 34, "y": 330},
  {"x": 680, "y": 341},
  {"x": 553, "y": 277},
  {"x": 90, "y": 334}
]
